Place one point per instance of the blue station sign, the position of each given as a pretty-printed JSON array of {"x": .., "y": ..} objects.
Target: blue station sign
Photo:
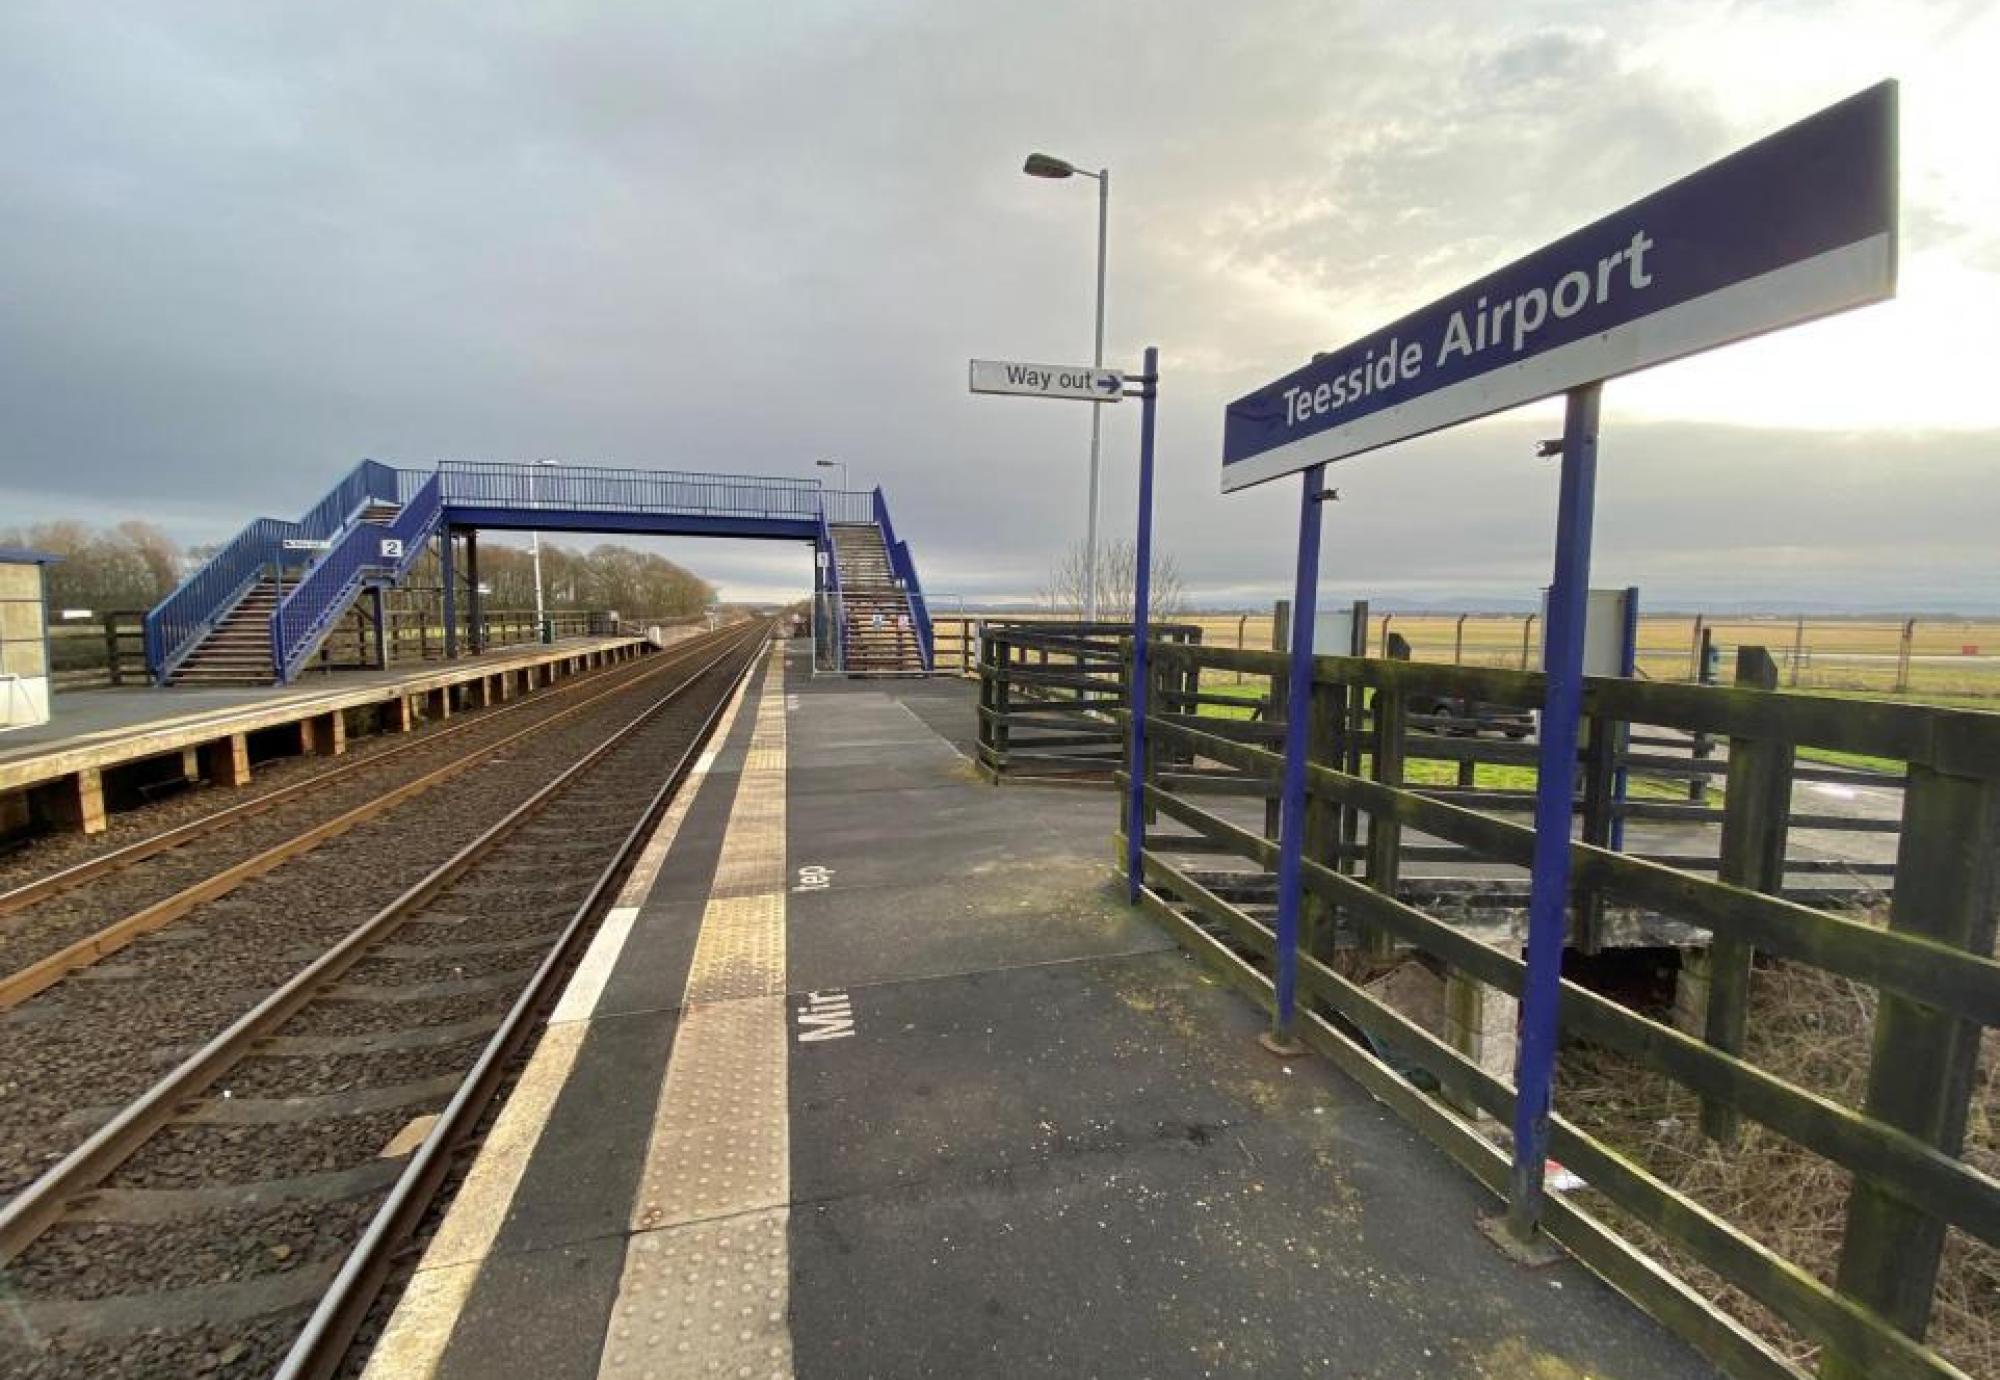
[{"x": 1795, "y": 226}]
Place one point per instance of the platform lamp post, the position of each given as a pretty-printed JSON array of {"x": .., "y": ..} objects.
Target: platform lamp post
[
  {"x": 535, "y": 550},
  {"x": 1042, "y": 165},
  {"x": 840, "y": 465}
]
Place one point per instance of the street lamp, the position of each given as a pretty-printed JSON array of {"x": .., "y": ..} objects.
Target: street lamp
[
  {"x": 535, "y": 549},
  {"x": 1043, "y": 165},
  {"x": 841, "y": 465}
]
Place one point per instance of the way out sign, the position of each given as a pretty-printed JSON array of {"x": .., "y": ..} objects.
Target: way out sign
[
  {"x": 1079, "y": 382},
  {"x": 1795, "y": 226}
]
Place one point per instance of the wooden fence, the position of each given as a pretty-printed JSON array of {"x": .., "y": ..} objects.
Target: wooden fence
[
  {"x": 1050, "y": 695},
  {"x": 1931, "y": 965}
]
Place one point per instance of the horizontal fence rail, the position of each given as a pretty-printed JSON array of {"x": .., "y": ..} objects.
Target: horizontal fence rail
[
  {"x": 1207, "y": 860},
  {"x": 1050, "y": 695}
]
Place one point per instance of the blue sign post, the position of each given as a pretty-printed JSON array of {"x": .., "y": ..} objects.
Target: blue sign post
[
  {"x": 1796, "y": 226},
  {"x": 1292, "y": 788}
]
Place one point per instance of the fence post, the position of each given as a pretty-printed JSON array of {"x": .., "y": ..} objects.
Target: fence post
[
  {"x": 1921, "y": 1076},
  {"x": 1700, "y": 746},
  {"x": 1527, "y": 633},
  {"x": 1325, "y": 729},
  {"x": 1600, "y": 796},
  {"x": 1458, "y": 641},
  {"x": 1903, "y": 656},
  {"x": 1385, "y": 835},
  {"x": 1798, "y": 650},
  {"x": 1695, "y": 657},
  {"x": 115, "y": 672},
  {"x": 1757, "y": 805}
]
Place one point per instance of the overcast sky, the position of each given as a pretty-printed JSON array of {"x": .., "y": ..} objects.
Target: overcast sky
[{"x": 248, "y": 244}]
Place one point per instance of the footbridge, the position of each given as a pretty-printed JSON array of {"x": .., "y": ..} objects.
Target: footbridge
[{"x": 260, "y": 607}]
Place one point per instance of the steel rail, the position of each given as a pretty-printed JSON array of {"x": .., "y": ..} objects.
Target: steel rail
[
  {"x": 47, "y": 971},
  {"x": 116, "y": 859},
  {"x": 322, "y": 1344},
  {"x": 29, "y": 1213}
]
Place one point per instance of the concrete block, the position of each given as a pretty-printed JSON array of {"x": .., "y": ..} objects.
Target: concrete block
[{"x": 228, "y": 760}]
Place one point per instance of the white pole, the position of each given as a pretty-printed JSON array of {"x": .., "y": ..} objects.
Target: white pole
[
  {"x": 1096, "y": 409},
  {"x": 535, "y": 549},
  {"x": 535, "y": 546}
]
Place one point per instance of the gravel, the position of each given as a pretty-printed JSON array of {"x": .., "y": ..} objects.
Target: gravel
[
  {"x": 99, "y": 1042},
  {"x": 97, "y": 1260}
]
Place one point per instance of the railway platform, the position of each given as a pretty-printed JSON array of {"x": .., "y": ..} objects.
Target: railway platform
[
  {"x": 66, "y": 773},
  {"x": 870, "y": 1072}
]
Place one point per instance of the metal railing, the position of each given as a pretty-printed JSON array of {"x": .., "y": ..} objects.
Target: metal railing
[
  {"x": 178, "y": 622},
  {"x": 905, "y": 571},
  {"x": 593, "y": 488},
  {"x": 366, "y": 551}
]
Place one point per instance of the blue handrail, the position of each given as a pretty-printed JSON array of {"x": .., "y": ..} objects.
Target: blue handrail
[
  {"x": 905, "y": 570},
  {"x": 366, "y": 551},
  {"x": 824, "y": 550},
  {"x": 593, "y": 488},
  {"x": 176, "y": 625}
]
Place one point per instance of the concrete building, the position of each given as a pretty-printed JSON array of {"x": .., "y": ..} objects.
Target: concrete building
[{"x": 24, "y": 637}]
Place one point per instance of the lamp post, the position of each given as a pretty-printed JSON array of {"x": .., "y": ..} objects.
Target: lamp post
[
  {"x": 535, "y": 550},
  {"x": 1042, "y": 165},
  {"x": 840, "y": 465}
]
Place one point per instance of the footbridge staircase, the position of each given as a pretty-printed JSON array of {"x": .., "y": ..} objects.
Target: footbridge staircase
[{"x": 257, "y": 611}]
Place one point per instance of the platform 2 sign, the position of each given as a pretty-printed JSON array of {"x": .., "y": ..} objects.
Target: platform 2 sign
[
  {"x": 1078, "y": 382},
  {"x": 1795, "y": 226}
]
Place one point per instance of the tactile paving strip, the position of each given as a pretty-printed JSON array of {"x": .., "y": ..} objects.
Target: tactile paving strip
[
  {"x": 706, "y": 1281},
  {"x": 721, "y": 1137},
  {"x": 741, "y": 950},
  {"x": 703, "y": 1300}
]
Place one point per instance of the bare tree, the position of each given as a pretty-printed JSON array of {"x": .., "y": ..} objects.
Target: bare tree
[{"x": 1117, "y": 569}]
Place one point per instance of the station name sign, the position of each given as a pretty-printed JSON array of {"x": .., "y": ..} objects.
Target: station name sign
[
  {"x": 1078, "y": 382},
  {"x": 1795, "y": 226}
]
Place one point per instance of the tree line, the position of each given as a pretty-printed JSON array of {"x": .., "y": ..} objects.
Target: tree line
[
  {"x": 134, "y": 565},
  {"x": 608, "y": 576}
]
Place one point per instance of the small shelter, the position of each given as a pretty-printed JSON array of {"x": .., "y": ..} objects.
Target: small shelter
[{"x": 24, "y": 637}]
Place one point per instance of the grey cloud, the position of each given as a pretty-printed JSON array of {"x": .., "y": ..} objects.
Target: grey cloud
[{"x": 250, "y": 244}]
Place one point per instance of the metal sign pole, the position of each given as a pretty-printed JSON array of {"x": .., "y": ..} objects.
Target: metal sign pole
[
  {"x": 1555, "y": 771},
  {"x": 1142, "y": 591},
  {"x": 1292, "y": 793}
]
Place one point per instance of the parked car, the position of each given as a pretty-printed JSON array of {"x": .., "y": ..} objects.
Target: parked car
[{"x": 1461, "y": 717}]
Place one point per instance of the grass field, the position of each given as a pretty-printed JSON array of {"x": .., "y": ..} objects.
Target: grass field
[
  {"x": 1839, "y": 654},
  {"x": 1488, "y": 776},
  {"x": 1857, "y": 656}
]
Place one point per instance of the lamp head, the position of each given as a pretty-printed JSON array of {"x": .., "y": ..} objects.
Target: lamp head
[{"x": 1041, "y": 165}]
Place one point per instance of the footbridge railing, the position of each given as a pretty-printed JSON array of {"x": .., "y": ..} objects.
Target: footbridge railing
[
  {"x": 177, "y": 623},
  {"x": 367, "y": 551},
  {"x": 1917, "y": 988},
  {"x": 602, "y": 489},
  {"x": 904, "y": 568}
]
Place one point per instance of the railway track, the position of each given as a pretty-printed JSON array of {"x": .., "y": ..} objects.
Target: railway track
[
  {"x": 193, "y": 1232},
  {"x": 50, "y": 926}
]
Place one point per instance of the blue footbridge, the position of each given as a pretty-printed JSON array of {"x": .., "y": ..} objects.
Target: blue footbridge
[{"x": 259, "y": 609}]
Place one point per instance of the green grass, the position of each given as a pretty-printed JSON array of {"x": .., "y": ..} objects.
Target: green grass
[
  {"x": 1833, "y": 757},
  {"x": 1427, "y": 771}
]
